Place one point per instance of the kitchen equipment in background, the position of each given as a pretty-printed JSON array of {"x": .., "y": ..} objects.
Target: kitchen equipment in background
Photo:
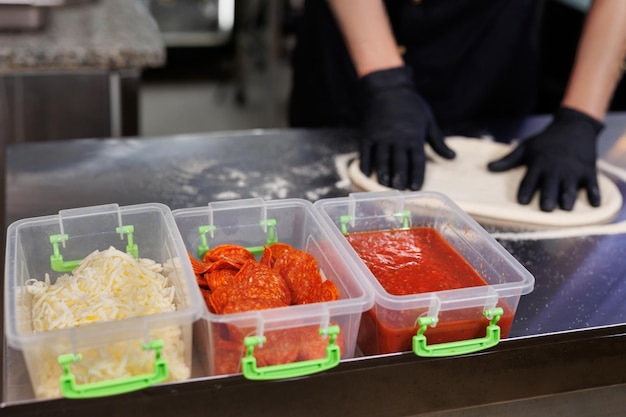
[
  {"x": 194, "y": 23},
  {"x": 25, "y": 15},
  {"x": 20, "y": 15}
]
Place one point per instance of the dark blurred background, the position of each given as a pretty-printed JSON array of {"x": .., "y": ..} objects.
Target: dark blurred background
[{"x": 241, "y": 79}]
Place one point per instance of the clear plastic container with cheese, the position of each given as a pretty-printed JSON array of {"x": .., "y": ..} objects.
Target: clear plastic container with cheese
[{"x": 98, "y": 300}]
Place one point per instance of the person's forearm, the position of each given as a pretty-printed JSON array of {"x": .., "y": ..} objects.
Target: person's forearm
[
  {"x": 367, "y": 33},
  {"x": 599, "y": 60}
]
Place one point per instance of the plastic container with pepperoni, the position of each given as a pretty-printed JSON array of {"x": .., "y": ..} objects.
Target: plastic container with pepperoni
[{"x": 260, "y": 320}]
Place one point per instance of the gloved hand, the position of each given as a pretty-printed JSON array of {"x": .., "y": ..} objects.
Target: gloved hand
[
  {"x": 560, "y": 160},
  {"x": 397, "y": 123}
]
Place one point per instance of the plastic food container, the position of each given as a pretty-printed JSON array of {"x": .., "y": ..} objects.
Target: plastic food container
[
  {"x": 439, "y": 323},
  {"x": 100, "y": 355},
  {"x": 281, "y": 342}
]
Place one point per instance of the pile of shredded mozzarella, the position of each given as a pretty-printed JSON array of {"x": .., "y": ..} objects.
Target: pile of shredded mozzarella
[{"x": 107, "y": 285}]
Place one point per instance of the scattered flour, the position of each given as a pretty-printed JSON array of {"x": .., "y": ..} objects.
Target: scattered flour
[
  {"x": 593, "y": 230},
  {"x": 316, "y": 194},
  {"x": 228, "y": 195},
  {"x": 273, "y": 187}
]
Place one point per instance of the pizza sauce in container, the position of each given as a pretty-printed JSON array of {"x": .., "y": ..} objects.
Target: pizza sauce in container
[
  {"x": 415, "y": 261},
  {"x": 442, "y": 284}
]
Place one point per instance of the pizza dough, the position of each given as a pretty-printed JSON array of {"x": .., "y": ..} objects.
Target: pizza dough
[{"x": 492, "y": 197}]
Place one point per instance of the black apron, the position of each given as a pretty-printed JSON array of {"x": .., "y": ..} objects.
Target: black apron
[{"x": 474, "y": 61}]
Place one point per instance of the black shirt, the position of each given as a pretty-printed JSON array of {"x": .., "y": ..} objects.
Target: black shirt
[{"x": 473, "y": 60}]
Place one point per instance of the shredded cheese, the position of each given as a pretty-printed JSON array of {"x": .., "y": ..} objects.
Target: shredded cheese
[{"x": 107, "y": 285}]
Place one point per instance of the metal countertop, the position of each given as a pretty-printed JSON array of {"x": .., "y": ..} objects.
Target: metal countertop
[{"x": 568, "y": 334}]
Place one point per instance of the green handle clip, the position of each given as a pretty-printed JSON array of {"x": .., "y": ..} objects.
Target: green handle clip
[
  {"x": 270, "y": 224},
  {"x": 56, "y": 259},
  {"x": 290, "y": 370},
  {"x": 69, "y": 388},
  {"x": 492, "y": 337},
  {"x": 59, "y": 265}
]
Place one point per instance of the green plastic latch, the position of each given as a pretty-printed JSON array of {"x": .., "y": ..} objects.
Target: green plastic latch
[
  {"x": 290, "y": 370},
  {"x": 203, "y": 247},
  {"x": 59, "y": 265},
  {"x": 492, "y": 338},
  {"x": 69, "y": 388},
  {"x": 56, "y": 259},
  {"x": 272, "y": 237},
  {"x": 406, "y": 216},
  {"x": 343, "y": 221},
  {"x": 131, "y": 246}
]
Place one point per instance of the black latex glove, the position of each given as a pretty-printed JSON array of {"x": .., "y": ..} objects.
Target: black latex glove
[
  {"x": 560, "y": 160},
  {"x": 397, "y": 123}
]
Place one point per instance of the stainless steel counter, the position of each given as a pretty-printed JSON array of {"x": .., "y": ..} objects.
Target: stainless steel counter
[{"x": 566, "y": 347}]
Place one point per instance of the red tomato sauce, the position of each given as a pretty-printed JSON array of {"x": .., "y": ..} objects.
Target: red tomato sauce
[{"x": 414, "y": 261}]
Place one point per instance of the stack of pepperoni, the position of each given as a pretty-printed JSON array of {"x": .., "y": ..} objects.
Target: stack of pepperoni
[{"x": 233, "y": 281}]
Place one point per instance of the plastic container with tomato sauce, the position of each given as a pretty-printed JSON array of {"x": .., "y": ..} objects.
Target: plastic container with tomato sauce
[
  {"x": 285, "y": 341},
  {"x": 446, "y": 322}
]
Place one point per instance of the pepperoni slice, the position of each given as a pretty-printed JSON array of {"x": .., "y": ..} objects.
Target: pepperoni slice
[
  {"x": 300, "y": 271},
  {"x": 278, "y": 249},
  {"x": 234, "y": 254},
  {"x": 224, "y": 295},
  {"x": 266, "y": 258},
  {"x": 237, "y": 333},
  {"x": 325, "y": 291},
  {"x": 281, "y": 346},
  {"x": 223, "y": 264},
  {"x": 202, "y": 282},
  {"x": 253, "y": 281},
  {"x": 260, "y": 281},
  {"x": 206, "y": 295},
  {"x": 198, "y": 267},
  {"x": 251, "y": 304},
  {"x": 217, "y": 278},
  {"x": 313, "y": 345},
  {"x": 227, "y": 357}
]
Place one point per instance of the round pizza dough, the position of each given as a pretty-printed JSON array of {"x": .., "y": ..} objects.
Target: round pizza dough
[{"x": 492, "y": 197}]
